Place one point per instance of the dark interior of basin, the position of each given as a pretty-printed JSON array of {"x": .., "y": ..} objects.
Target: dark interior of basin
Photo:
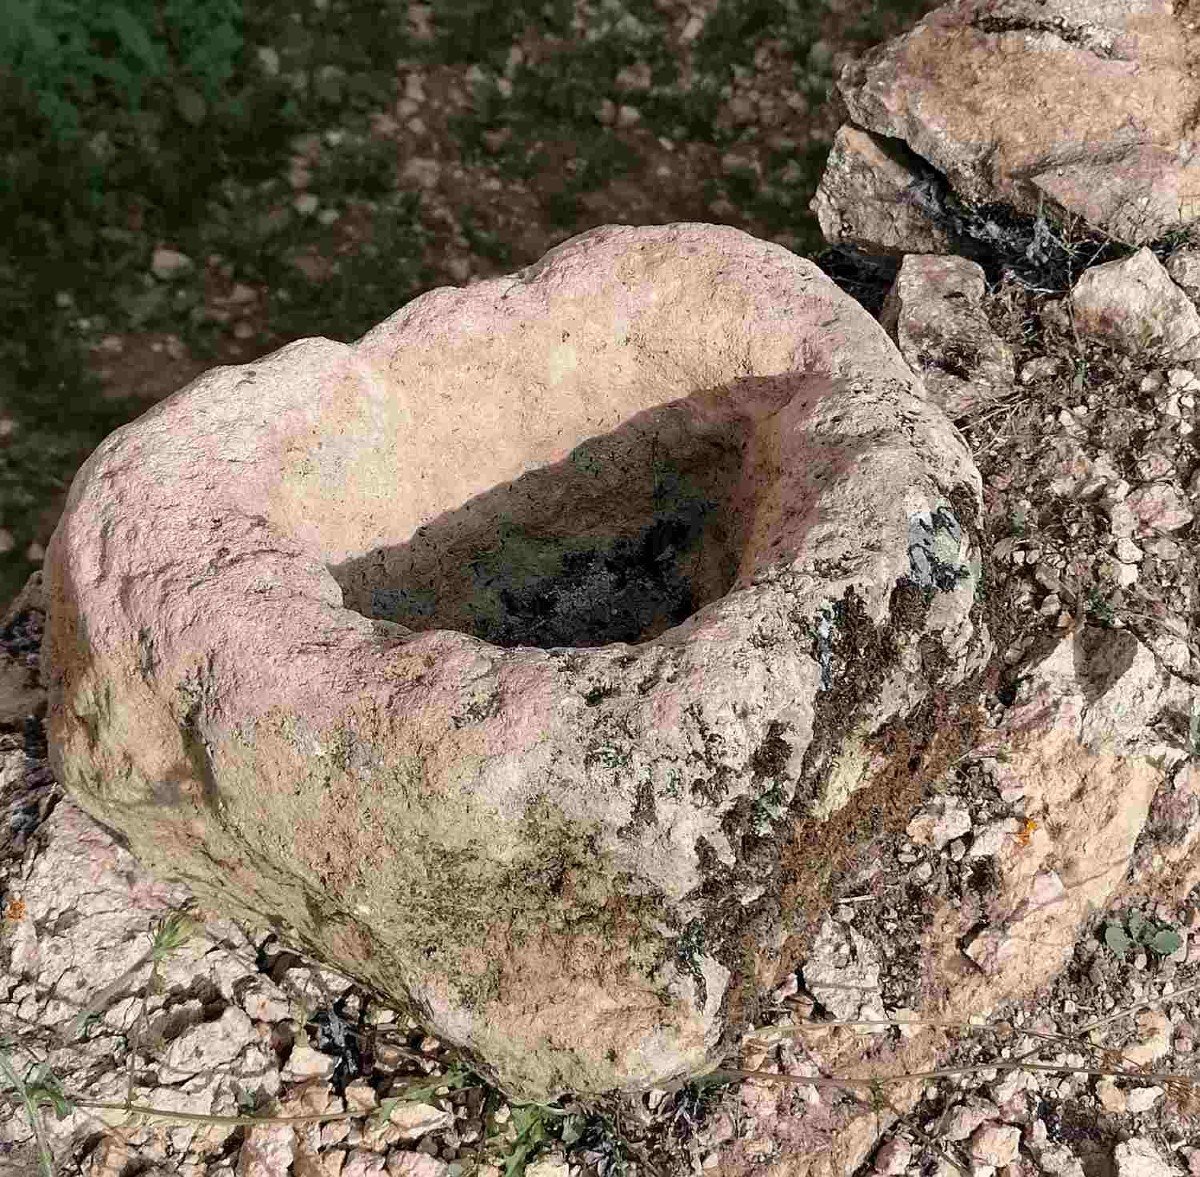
[{"x": 628, "y": 536}]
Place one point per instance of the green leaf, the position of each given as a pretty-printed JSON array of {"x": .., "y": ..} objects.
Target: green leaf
[
  {"x": 172, "y": 933},
  {"x": 1118, "y": 943},
  {"x": 1166, "y": 941},
  {"x": 1136, "y": 923},
  {"x": 42, "y": 1086},
  {"x": 514, "y": 1163}
]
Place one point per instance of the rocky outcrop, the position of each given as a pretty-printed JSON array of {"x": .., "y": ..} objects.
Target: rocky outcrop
[
  {"x": 1058, "y": 796},
  {"x": 490, "y": 658},
  {"x": 1088, "y": 108}
]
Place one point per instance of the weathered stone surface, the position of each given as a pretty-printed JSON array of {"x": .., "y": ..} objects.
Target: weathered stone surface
[
  {"x": 21, "y": 692},
  {"x": 934, "y": 312},
  {"x": 1080, "y": 739},
  {"x": 995, "y": 1144},
  {"x": 1133, "y": 304},
  {"x": 940, "y": 822},
  {"x": 467, "y": 654},
  {"x": 417, "y": 1119},
  {"x": 209, "y": 1045},
  {"x": 1139, "y": 1158},
  {"x": 1184, "y": 267},
  {"x": 1089, "y": 103},
  {"x": 869, "y": 198},
  {"x": 842, "y": 973}
]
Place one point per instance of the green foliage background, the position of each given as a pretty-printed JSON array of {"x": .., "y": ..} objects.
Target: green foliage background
[{"x": 67, "y": 52}]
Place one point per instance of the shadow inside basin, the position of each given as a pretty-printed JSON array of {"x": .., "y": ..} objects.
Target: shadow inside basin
[{"x": 626, "y": 537}]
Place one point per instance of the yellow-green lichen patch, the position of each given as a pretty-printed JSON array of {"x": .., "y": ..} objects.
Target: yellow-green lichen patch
[{"x": 847, "y": 774}]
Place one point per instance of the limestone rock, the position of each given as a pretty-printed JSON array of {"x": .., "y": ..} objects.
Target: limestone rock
[
  {"x": 1184, "y": 267},
  {"x": 551, "y": 1166},
  {"x": 1086, "y": 102},
  {"x": 1133, "y": 304},
  {"x": 940, "y": 822},
  {"x": 1059, "y": 1161},
  {"x": 267, "y": 1152},
  {"x": 996, "y": 949},
  {"x": 469, "y": 652},
  {"x": 1142, "y": 1099},
  {"x": 995, "y": 1144},
  {"x": 893, "y": 1157},
  {"x": 842, "y": 973},
  {"x": 1159, "y": 507},
  {"x": 167, "y": 264},
  {"x": 934, "y": 312},
  {"x": 1139, "y": 1158},
  {"x": 967, "y": 1117},
  {"x": 418, "y": 1119},
  {"x": 21, "y": 692},
  {"x": 1085, "y": 712},
  {"x": 207, "y": 1046},
  {"x": 869, "y": 198},
  {"x": 415, "y": 1164},
  {"x": 1110, "y": 1097},
  {"x": 1154, "y": 1038},
  {"x": 306, "y": 1063}
]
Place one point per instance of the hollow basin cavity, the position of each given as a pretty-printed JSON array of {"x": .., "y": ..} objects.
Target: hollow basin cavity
[{"x": 627, "y": 536}]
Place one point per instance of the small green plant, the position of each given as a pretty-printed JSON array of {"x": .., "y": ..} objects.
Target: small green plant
[
  {"x": 537, "y": 1127},
  {"x": 1139, "y": 932},
  {"x": 1099, "y": 608},
  {"x": 38, "y": 1087},
  {"x": 769, "y": 807},
  {"x": 534, "y": 1126},
  {"x": 457, "y": 1077}
]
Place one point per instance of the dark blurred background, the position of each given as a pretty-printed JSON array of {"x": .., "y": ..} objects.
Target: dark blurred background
[{"x": 186, "y": 183}]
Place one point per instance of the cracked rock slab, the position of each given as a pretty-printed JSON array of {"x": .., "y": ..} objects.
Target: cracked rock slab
[
  {"x": 1089, "y": 103},
  {"x": 468, "y": 653}
]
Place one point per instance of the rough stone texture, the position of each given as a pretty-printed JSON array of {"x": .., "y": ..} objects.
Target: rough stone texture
[
  {"x": 869, "y": 198},
  {"x": 1133, "y": 304},
  {"x": 934, "y": 312},
  {"x": 1184, "y": 267},
  {"x": 918, "y": 902},
  {"x": 842, "y": 973},
  {"x": 1139, "y": 1158},
  {"x": 995, "y": 1144},
  {"x": 1089, "y": 103},
  {"x": 468, "y": 655},
  {"x": 940, "y": 822},
  {"x": 21, "y": 691},
  {"x": 1080, "y": 742}
]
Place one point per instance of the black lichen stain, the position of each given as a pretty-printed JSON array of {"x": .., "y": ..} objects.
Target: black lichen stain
[{"x": 619, "y": 591}]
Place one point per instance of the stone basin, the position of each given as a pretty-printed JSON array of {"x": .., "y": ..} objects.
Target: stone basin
[{"x": 492, "y": 658}]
